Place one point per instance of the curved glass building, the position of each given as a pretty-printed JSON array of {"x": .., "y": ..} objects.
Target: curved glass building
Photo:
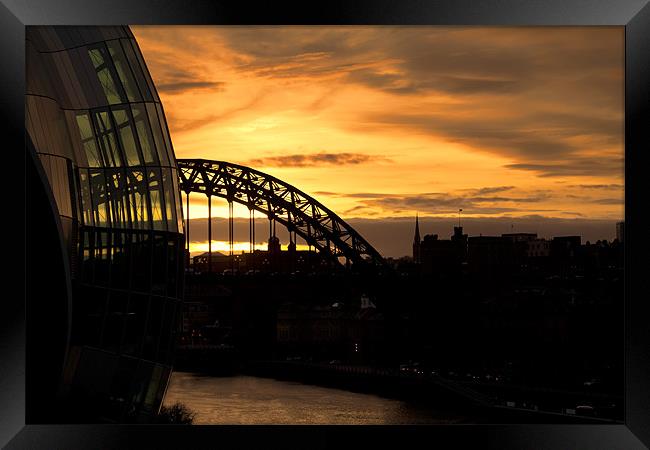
[{"x": 97, "y": 137}]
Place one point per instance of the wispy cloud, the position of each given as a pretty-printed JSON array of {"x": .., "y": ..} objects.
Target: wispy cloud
[
  {"x": 598, "y": 186},
  {"x": 573, "y": 167},
  {"x": 316, "y": 159},
  {"x": 472, "y": 201},
  {"x": 183, "y": 86}
]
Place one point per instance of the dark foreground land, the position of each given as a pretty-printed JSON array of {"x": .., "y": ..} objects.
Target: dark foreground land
[{"x": 539, "y": 337}]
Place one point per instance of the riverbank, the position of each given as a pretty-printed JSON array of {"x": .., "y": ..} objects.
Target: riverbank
[{"x": 422, "y": 392}]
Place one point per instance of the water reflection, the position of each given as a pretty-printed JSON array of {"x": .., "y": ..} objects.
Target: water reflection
[{"x": 251, "y": 400}]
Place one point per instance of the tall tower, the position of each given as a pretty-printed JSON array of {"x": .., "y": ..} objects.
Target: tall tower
[{"x": 416, "y": 242}]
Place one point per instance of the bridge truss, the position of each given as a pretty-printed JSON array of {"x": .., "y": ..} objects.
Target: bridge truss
[{"x": 279, "y": 201}]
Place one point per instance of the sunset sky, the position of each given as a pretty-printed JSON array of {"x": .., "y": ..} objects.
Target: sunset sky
[{"x": 513, "y": 125}]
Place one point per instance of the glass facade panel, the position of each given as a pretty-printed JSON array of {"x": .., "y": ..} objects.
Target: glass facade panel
[
  {"x": 123, "y": 379},
  {"x": 123, "y": 123},
  {"x": 87, "y": 251},
  {"x": 154, "y": 325},
  {"x": 118, "y": 199},
  {"x": 79, "y": 152},
  {"x": 101, "y": 63},
  {"x": 170, "y": 210},
  {"x": 137, "y": 70},
  {"x": 86, "y": 204},
  {"x": 156, "y": 198},
  {"x": 102, "y": 258},
  {"x": 157, "y": 134},
  {"x": 173, "y": 258},
  {"x": 135, "y": 324},
  {"x": 88, "y": 77},
  {"x": 141, "y": 257},
  {"x": 101, "y": 210},
  {"x": 162, "y": 386},
  {"x": 123, "y": 71},
  {"x": 106, "y": 137},
  {"x": 144, "y": 134},
  {"x": 138, "y": 197},
  {"x": 88, "y": 140},
  {"x": 114, "y": 323},
  {"x": 179, "y": 201},
  {"x": 159, "y": 274},
  {"x": 120, "y": 264},
  {"x": 154, "y": 384},
  {"x": 165, "y": 133},
  {"x": 145, "y": 71}
]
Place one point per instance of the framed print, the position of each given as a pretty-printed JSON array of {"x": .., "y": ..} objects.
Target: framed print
[{"x": 260, "y": 225}]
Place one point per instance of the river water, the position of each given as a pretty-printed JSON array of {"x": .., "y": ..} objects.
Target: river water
[{"x": 247, "y": 400}]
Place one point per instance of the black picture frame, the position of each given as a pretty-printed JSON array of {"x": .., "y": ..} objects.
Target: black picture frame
[{"x": 634, "y": 15}]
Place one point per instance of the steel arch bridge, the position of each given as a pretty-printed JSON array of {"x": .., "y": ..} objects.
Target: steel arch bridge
[{"x": 281, "y": 202}]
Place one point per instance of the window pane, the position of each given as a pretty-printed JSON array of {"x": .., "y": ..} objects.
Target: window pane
[
  {"x": 153, "y": 387},
  {"x": 86, "y": 205},
  {"x": 141, "y": 254},
  {"x": 179, "y": 206},
  {"x": 155, "y": 195},
  {"x": 120, "y": 391},
  {"x": 165, "y": 132},
  {"x": 170, "y": 210},
  {"x": 120, "y": 262},
  {"x": 137, "y": 189},
  {"x": 143, "y": 66},
  {"x": 117, "y": 189},
  {"x": 123, "y": 123},
  {"x": 88, "y": 140},
  {"x": 172, "y": 267},
  {"x": 88, "y": 257},
  {"x": 114, "y": 325},
  {"x": 99, "y": 198},
  {"x": 144, "y": 134},
  {"x": 102, "y": 258},
  {"x": 154, "y": 323},
  {"x": 159, "y": 267},
  {"x": 157, "y": 134},
  {"x": 137, "y": 70},
  {"x": 135, "y": 323},
  {"x": 106, "y": 138},
  {"x": 123, "y": 70},
  {"x": 106, "y": 79}
]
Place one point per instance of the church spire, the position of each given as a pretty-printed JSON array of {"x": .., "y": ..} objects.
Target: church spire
[{"x": 416, "y": 241}]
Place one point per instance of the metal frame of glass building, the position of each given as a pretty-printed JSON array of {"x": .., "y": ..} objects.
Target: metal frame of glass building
[{"x": 96, "y": 125}]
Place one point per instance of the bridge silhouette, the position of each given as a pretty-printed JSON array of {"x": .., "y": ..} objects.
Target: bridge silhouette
[{"x": 301, "y": 214}]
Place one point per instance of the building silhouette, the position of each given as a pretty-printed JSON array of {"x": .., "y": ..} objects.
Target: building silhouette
[
  {"x": 443, "y": 257},
  {"x": 620, "y": 231},
  {"x": 97, "y": 138}
]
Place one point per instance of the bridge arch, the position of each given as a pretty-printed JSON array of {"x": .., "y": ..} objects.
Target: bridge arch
[{"x": 282, "y": 202}]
